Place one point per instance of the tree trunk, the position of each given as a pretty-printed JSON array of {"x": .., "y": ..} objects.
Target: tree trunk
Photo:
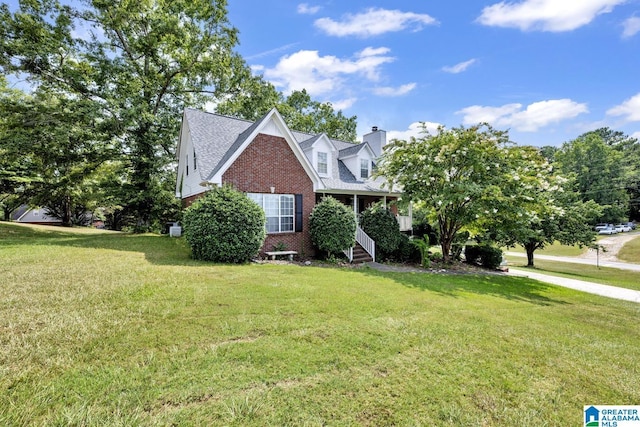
[
  {"x": 530, "y": 248},
  {"x": 445, "y": 245}
]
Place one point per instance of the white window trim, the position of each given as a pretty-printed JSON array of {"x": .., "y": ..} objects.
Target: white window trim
[
  {"x": 263, "y": 196},
  {"x": 326, "y": 163},
  {"x": 368, "y": 168}
]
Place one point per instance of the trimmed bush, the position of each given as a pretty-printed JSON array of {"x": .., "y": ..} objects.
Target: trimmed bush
[
  {"x": 484, "y": 255},
  {"x": 407, "y": 251},
  {"x": 224, "y": 226},
  {"x": 332, "y": 226},
  {"x": 381, "y": 225}
]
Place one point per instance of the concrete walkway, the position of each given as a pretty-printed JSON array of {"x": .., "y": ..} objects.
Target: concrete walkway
[
  {"x": 579, "y": 285},
  {"x": 576, "y": 260}
]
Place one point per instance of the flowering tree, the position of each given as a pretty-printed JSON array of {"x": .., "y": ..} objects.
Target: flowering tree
[
  {"x": 459, "y": 174},
  {"x": 542, "y": 208}
]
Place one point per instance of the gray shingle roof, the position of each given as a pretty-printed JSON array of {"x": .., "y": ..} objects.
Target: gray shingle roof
[
  {"x": 351, "y": 151},
  {"x": 216, "y": 138},
  {"x": 213, "y": 136},
  {"x": 348, "y": 182},
  {"x": 309, "y": 142}
]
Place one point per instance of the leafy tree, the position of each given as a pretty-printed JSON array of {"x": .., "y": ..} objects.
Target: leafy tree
[
  {"x": 543, "y": 211},
  {"x": 629, "y": 148},
  {"x": 139, "y": 62},
  {"x": 224, "y": 226},
  {"x": 16, "y": 171},
  {"x": 459, "y": 174},
  {"x": 256, "y": 97},
  {"x": 61, "y": 142},
  {"x": 598, "y": 173},
  {"x": 332, "y": 226}
]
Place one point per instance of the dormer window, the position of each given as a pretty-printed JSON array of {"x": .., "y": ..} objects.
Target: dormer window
[
  {"x": 323, "y": 164},
  {"x": 364, "y": 168}
]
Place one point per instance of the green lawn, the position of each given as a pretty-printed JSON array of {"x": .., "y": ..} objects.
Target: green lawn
[
  {"x": 556, "y": 249},
  {"x": 110, "y": 329},
  {"x": 630, "y": 252},
  {"x": 589, "y": 273}
]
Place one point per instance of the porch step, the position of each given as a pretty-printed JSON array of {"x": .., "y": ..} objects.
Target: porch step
[{"x": 360, "y": 255}]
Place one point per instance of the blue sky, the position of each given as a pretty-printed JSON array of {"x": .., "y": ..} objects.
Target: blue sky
[{"x": 547, "y": 70}]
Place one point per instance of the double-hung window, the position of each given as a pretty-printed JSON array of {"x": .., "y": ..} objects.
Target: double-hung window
[
  {"x": 279, "y": 210},
  {"x": 323, "y": 165},
  {"x": 364, "y": 168}
]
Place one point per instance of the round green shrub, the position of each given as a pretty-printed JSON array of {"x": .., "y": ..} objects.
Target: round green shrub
[
  {"x": 484, "y": 255},
  {"x": 381, "y": 225},
  {"x": 224, "y": 226},
  {"x": 407, "y": 251},
  {"x": 332, "y": 226}
]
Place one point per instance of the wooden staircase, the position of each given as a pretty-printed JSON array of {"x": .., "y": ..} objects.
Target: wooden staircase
[{"x": 360, "y": 255}]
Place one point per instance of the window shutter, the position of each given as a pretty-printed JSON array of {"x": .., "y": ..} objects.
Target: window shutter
[{"x": 298, "y": 203}]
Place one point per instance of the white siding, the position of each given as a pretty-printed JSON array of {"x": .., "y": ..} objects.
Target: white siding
[{"x": 191, "y": 182}]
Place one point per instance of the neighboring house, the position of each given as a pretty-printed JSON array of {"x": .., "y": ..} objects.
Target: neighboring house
[
  {"x": 284, "y": 171},
  {"x": 26, "y": 214}
]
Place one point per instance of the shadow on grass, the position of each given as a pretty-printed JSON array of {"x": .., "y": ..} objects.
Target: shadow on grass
[
  {"x": 520, "y": 289},
  {"x": 164, "y": 250},
  {"x": 160, "y": 250}
]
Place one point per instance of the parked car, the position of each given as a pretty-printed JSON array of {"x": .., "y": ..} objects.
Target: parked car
[
  {"x": 608, "y": 230},
  {"x": 632, "y": 225},
  {"x": 601, "y": 226},
  {"x": 623, "y": 228}
]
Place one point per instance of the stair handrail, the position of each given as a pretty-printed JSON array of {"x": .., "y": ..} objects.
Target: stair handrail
[
  {"x": 367, "y": 243},
  {"x": 349, "y": 254}
]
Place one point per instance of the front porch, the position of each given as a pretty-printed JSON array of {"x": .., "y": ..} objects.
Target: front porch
[
  {"x": 360, "y": 202},
  {"x": 365, "y": 248}
]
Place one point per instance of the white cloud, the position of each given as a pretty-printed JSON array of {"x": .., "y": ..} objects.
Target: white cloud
[
  {"x": 630, "y": 109},
  {"x": 631, "y": 26},
  {"x": 415, "y": 130},
  {"x": 319, "y": 75},
  {"x": 535, "y": 116},
  {"x": 545, "y": 15},
  {"x": 458, "y": 68},
  {"x": 478, "y": 114},
  {"x": 636, "y": 135},
  {"x": 374, "y": 22},
  {"x": 394, "y": 91},
  {"x": 305, "y": 9},
  {"x": 343, "y": 104}
]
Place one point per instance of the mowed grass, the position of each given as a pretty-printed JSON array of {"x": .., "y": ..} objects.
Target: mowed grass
[
  {"x": 557, "y": 249},
  {"x": 630, "y": 252},
  {"x": 589, "y": 273},
  {"x": 112, "y": 329}
]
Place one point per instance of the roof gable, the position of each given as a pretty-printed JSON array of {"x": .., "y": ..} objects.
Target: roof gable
[
  {"x": 212, "y": 136},
  {"x": 313, "y": 142},
  {"x": 271, "y": 124},
  {"x": 355, "y": 150}
]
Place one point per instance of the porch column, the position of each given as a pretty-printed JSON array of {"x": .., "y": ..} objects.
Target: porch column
[
  {"x": 384, "y": 201},
  {"x": 355, "y": 205}
]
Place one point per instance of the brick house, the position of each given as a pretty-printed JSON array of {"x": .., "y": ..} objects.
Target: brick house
[{"x": 284, "y": 171}]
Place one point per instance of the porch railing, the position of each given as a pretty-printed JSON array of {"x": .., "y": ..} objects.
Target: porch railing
[
  {"x": 404, "y": 222},
  {"x": 367, "y": 243},
  {"x": 349, "y": 254}
]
